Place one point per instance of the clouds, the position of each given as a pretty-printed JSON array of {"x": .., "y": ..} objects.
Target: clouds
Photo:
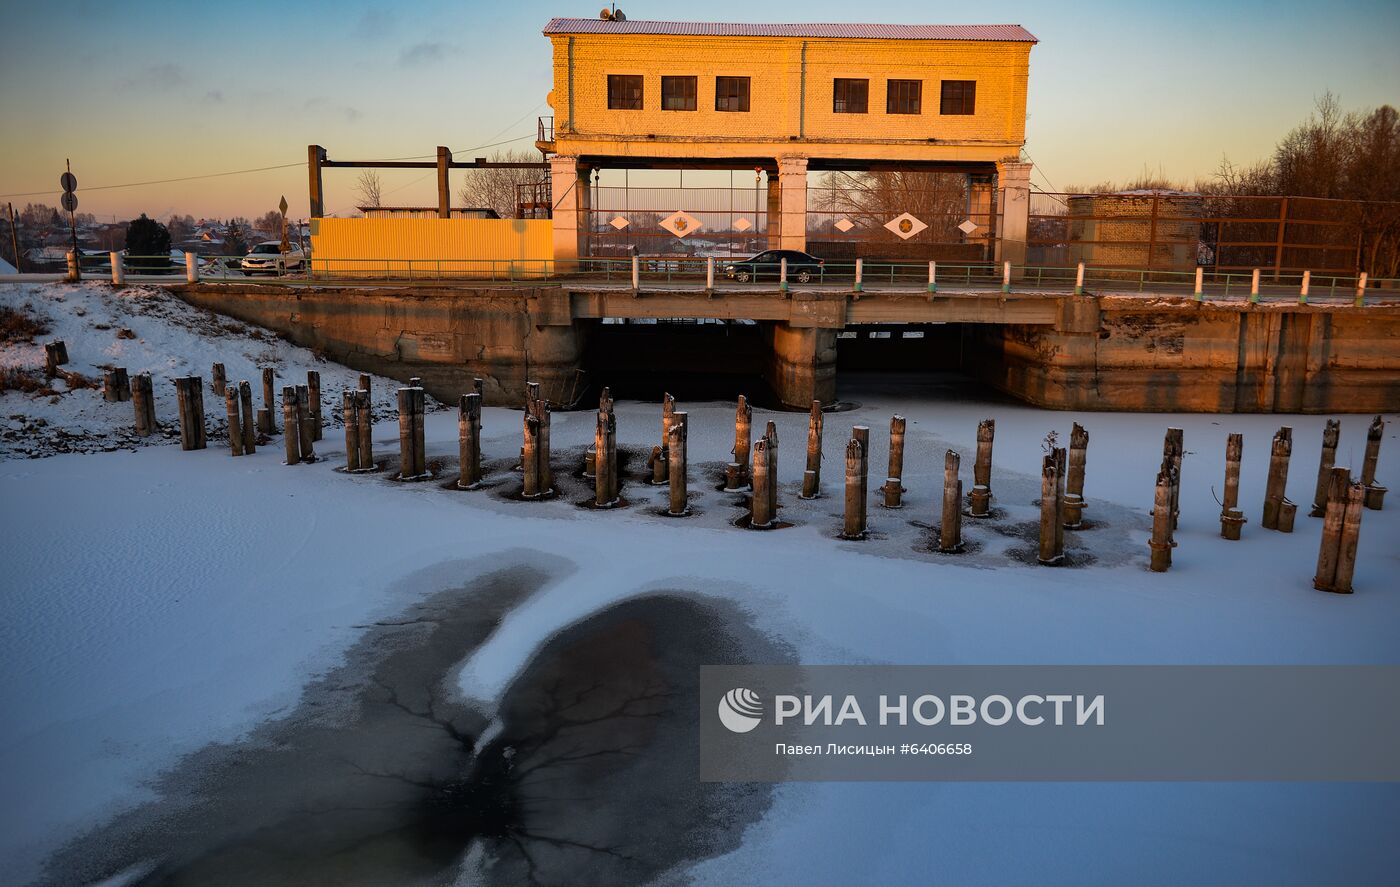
[
  {"x": 421, "y": 55},
  {"x": 322, "y": 106},
  {"x": 165, "y": 76}
]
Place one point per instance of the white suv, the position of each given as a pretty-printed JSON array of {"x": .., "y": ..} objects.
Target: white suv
[{"x": 267, "y": 258}]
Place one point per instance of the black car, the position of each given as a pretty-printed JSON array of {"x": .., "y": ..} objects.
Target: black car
[{"x": 767, "y": 265}]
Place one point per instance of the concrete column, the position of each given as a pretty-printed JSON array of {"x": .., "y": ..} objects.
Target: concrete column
[
  {"x": 775, "y": 213},
  {"x": 792, "y": 186},
  {"x": 568, "y": 186},
  {"x": 1014, "y": 178},
  {"x": 801, "y": 366}
]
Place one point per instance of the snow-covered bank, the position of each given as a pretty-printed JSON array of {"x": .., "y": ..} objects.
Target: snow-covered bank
[{"x": 146, "y": 330}]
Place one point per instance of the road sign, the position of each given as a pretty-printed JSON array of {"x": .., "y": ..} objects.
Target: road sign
[
  {"x": 283, "y": 206},
  {"x": 69, "y": 200},
  {"x": 69, "y": 182}
]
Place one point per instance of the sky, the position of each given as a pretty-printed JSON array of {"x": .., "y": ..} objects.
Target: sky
[{"x": 140, "y": 91}]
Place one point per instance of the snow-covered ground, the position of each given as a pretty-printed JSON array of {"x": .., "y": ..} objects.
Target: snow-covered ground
[{"x": 157, "y": 601}]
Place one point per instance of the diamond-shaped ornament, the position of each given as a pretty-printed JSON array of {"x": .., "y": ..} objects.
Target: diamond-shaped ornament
[
  {"x": 619, "y": 222},
  {"x": 905, "y": 226},
  {"x": 844, "y": 225},
  {"x": 742, "y": 225},
  {"x": 968, "y": 226},
  {"x": 681, "y": 223}
]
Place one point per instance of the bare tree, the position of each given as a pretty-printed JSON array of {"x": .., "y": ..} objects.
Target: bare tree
[
  {"x": 369, "y": 189},
  {"x": 499, "y": 189}
]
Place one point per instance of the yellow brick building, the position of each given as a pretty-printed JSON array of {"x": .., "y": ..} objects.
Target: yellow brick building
[{"x": 785, "y": 97}]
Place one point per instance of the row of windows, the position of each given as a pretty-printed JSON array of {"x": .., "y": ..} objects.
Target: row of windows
[{"x": 849, "y": 95}]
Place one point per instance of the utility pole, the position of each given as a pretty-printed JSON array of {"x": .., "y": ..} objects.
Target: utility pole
[{"x": 14, "y": 238}]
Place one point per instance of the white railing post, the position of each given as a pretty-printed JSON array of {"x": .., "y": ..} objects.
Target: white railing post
[
  {"x": 1079, "y": 280},
  {"x": 1303, "y": 290},
  {"x": 709, "y": 273},
  {"x": 191, "y": 268},
  {"x": 932, "y": 276},
  {"x": 1200, "y": 283},
  {"x": 782, "y": 274},
  {"x": 1006, "y": 277},
  {"x": 118, "y": 272},
  {"x": 1361, "y": 289},
  {"x": 75, "y": 271},
  {"x": 636, "y": 272},
  {"x": 860, "y": 276},
  {"x": 1254, "y": 286}
]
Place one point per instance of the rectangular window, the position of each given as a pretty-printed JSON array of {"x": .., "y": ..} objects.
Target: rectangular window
[
  {"x": 903, "y": 96},
  {"x": 625, "y": 92},
  {"x": 731, "y": 93},
  {"x": 678, "y": 93},
  {"x": 850, "y": 96},
  {"x": 959, "y": 97}
]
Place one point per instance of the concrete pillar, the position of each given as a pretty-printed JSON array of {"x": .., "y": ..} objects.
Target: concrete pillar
[
  {"x": 801, "y": 366},
  {"x": 775, "y": 213},
  {"x": 792, "y": 185},
  {"x": 1014, "y": 199},
  {"x": 569, "y": 185}
]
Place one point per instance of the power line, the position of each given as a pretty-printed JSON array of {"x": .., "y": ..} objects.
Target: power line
[{"x": 212, "y": 175}]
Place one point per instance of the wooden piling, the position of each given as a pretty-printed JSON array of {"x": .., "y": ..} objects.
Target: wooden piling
[
  {"x": 737, "y": 475},
  {"x": 189, "y": 391},
  {"x": 1173, "y": 451},
  {"x": 980, "y": 499},
  {"x": 352, "y": 432},
  {"x": 894, "y": 478},
  {"x": 245, "y": 400},
  {"x": 143, "y": 399},
  {"x": 365, "y": 379},
  {"x": 116, "y": 387},
  {"x": 812, "y": 476},
  {"x": 659, "y": 464},
  {"x": 1333, "y": 516},
  {"x": 1161, "y": 543},
  {"x": 760, "y": 512},
  {"x": 218, "y": 382},
  {"x": 1052, "y": 525},
  {"x": 590, "y": 456},
  {"x": 1074, "y": 479},
  {"x": 313, "y": 393},
  {"x": 853, "y": 526},
  {"x": 235, "y": 423},
  {"x": 305, "y": 423},
  {"x": 469, "y": 441},
  {"x": 364, "y": 421},
  {"x": 770, "y": 452},
  {"x": 55, "y": 355},
  {"x": 1331, "y": 432},
  {"x": 292, "y": 438},
  {"x": 530, "y": 459},
  {"x": 267, "y": 418},
  {"x": 412, "y": 464},
  {"x": 605, "y": 469},
  {"x": 1375, "y": 493},
  {"x": 676, "y": 465},
  {"x": 1278, "y": 510},
  {"x": 1351, "y": 537},
  {"x": 950, "y": 531},
  {"x": 1231, "y": 517}
]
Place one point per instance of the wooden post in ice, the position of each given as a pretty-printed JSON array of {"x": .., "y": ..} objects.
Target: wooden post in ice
[
  {"x": 365, "y": 428},
  {"x": 1173, "y": 451},
  {"x": 1330, "y": 434},
  {"x": 292, "y": 438},
  {"x": 771, "y": 453},
  {"x": 305, "y": 424},
  {"x": 605, "y": 469},
  {"x": 218, "y": 382},
  {"x": 659, "y": 458},
  {"x": 590, "y": 457},
  {"x": 812, "y": 476},
  {"x": 736, "y": 476},
  {"x": 55, "y": 355},
  {"x": 1341, "y": 531},
  {"x": 760, "y": 513},
  {"x": 143, "y": 399},
  {"x": 352, "y": 432},
  {"x": 365, "y": 379},
  {"x": 950, "y": 532},
  {"x": 853, "y": 526},
  {"x": 1161, "y": 542},
  {"x": 116, "y": 387},
  {"x": 676, "y": 467},
  {"x": 189, "y": 391},
  {"x": 412, "y": 463},
  {"x": 979, "y": 500},
  {"x": 894, "y": 478},
  {"x": 245, "y": 401},
  {"x": 1375, "y": 493},
  {"x": 267, "y": 420},
  {"x": 530, "y": 458},
  {"x": 235, "y": 424},
  {"x": 1278, "y": 510},
  {"x": 469, "y": 441},
  {"x": 313, "y": 393},
  {"x": 1231, "y": 518},
  {"x": 1074, "y": 480},
  {"x": 1052, "y": 495}
]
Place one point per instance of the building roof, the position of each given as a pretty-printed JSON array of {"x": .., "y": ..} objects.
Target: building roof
[{"x": 1009, "y": 33}]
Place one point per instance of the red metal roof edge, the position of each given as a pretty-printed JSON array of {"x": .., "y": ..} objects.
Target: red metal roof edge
[{"x": 852, "y": 30}]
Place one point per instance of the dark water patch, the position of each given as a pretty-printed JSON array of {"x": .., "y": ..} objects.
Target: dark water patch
[
  {"x": 1073, "y": 558},
  {"x": 745, "y": 522},
  {"x": 378, "y": 467}
]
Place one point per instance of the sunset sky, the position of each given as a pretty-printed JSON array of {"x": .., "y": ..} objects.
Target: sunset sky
[{"x": 140, "y": 91}]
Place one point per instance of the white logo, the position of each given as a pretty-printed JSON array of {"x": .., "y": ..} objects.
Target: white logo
[{"x": 740, "y": 710}]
